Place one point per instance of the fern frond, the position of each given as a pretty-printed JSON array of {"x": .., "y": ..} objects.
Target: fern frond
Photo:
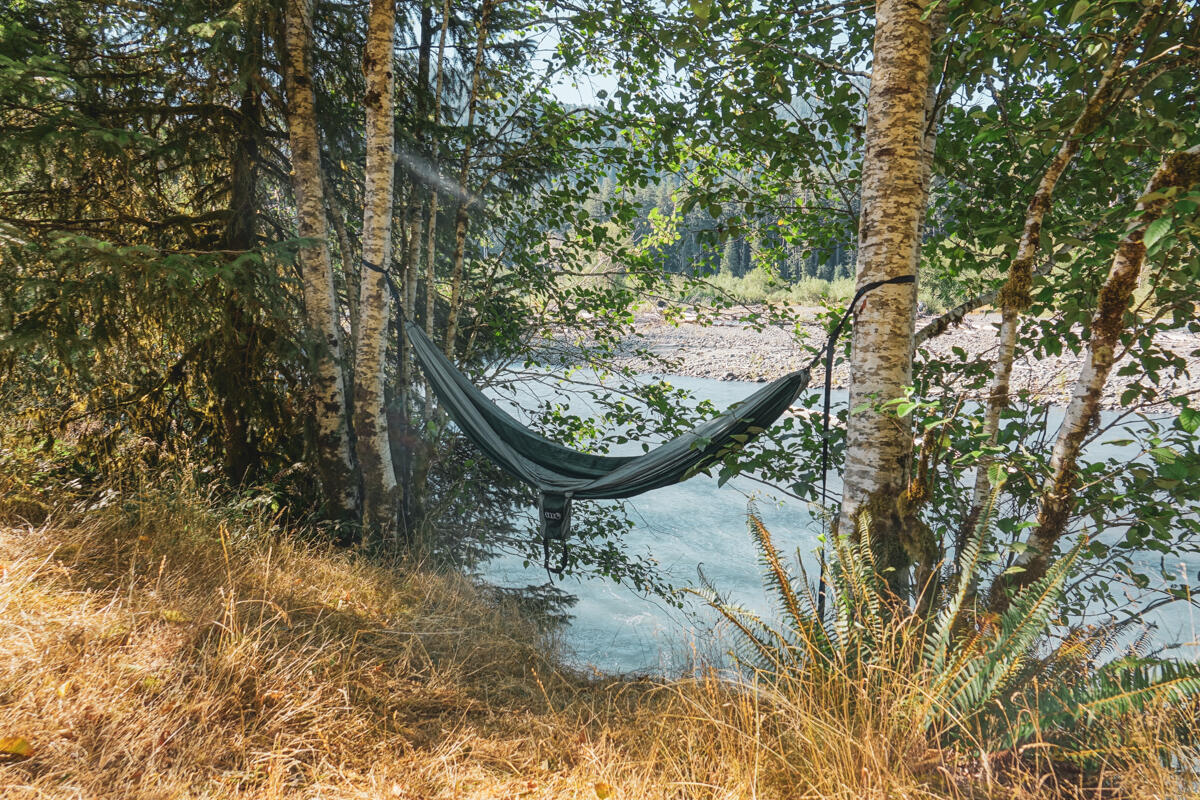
[
  {"x": 769, "y": 648},
  {"x": 1027, "y": 616},
  {"x": 942, "y": 631},
  {"x": 1138, "y": 684},
  {"x": 778, "y": 581},
  {"x": 1004, "y": 656}
]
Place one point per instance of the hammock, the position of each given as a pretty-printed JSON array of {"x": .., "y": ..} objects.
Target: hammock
[{"x": 561, "y": 474}]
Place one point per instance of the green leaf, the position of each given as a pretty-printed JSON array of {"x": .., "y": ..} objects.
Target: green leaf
[
  {"x": 1156, "y": 231},
  {"x": 1164, "y": 455},
  {"x": 701, "y": 8},
  {"x": 1189, "y": 419}
]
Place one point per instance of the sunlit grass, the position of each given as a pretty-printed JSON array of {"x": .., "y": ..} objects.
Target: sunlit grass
[{"x": 171, "y": 645}]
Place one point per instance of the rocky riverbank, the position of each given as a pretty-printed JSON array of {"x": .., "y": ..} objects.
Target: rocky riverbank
[{"x": 730, "y": 350}]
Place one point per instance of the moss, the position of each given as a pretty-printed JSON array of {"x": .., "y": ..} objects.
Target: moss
[
  {"x": 1181, "y": 169},
  {"x": 898, "y": 538},
  {"x": 1016, "y": 292},
  {"x": 1116, "y": 294}
]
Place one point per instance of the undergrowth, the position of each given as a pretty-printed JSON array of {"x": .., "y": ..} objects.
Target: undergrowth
[
  {"x": 999, "y": 690},
  {"x": 167, "y": 642}
]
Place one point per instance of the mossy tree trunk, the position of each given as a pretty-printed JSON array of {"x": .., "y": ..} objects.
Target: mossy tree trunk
[
  {"x": 1179, "y": 171},
  {"x": 1014, "y": 296}
]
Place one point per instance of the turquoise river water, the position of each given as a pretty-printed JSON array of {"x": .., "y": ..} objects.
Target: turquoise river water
[{"x": 698, "y": 526}]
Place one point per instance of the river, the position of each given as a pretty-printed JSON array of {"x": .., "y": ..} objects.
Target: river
[{"x": 696, "y": 526}]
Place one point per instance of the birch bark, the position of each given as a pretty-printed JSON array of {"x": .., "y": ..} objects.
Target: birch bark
[
  {"x": 926, "y": 553},
  {"x": 1108, "y": 323},
  {"x": 334, "y": 463},
  {"x": 380, "y": 489},
  {"x": 879, "y": 444},
  {"x": 1014, "y": 295}
]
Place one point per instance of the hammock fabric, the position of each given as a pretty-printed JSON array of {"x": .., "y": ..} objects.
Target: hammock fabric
[{"x": 561, "y": 474}]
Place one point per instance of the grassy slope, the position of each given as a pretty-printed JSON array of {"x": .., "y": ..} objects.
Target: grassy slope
[
  {"x": 172, "y": 653},
  {"x": 173, "y": 648}
]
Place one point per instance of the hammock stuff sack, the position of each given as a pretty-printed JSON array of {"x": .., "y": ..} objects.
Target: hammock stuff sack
[{"x": 561, "y": 474}]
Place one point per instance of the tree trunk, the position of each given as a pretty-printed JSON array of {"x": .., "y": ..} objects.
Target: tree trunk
[
  {"x": 424, "y": 455},
  {"x": 351, "y": 268},
  {"x": 928, "y": 554},
  {"x": 879, "y": 444},
  {"x": 235, "y": 374},
  {"x": 431, "y": 226},
  {"x": 380, "y": 490},
  {"x": 461, "y": 219},
  {"x": 408, "y": 434},
  {"x": 334, "y": 464},
  {"x": 1180, "y": 170},
  {"x": 1014, "y": 296}
]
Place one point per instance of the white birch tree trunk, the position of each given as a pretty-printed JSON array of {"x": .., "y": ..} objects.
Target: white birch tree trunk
[
  {"x": 1108, "y": 323},
  {"x": 334, "y": 462},
  {"x": 1014, "y": 296},
  {"x": 926, "y": 553},
  {"x": 879, "y": 445},
  {"x": 380, "y": 489}
]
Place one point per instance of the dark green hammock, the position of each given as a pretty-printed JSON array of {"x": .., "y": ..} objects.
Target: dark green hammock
[{"x": 561, "y": 474}]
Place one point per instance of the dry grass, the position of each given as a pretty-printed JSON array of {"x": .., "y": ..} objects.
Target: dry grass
[{"x": 170, "y": 648}]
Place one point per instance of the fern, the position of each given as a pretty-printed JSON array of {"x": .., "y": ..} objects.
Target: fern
[
  {"x": 972, "y": 678},
  {"x": 942, "y": 632}
]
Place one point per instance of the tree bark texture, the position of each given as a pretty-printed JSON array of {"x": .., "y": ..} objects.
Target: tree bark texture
[
  {"x": 927, "y": 554},
  {"x": 431, "y": 224},
  {"x": 461, "y": 218},
  {"x": 879, "y": 444},
  {"x": 1181, "y": 170},
  {"x": 351, "y": 267},
  {"x": 235, "y": 374},
  {"x": 1014, "y": 296},
  {"x": 334, "y": 462},
  {"x": 380, "y": 489}
]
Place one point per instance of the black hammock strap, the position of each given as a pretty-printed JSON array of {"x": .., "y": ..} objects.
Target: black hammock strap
[{"x": 561, "y": 475}]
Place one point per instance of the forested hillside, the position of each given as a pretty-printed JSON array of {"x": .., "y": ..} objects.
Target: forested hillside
[{"x": 308, "y": 292}]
